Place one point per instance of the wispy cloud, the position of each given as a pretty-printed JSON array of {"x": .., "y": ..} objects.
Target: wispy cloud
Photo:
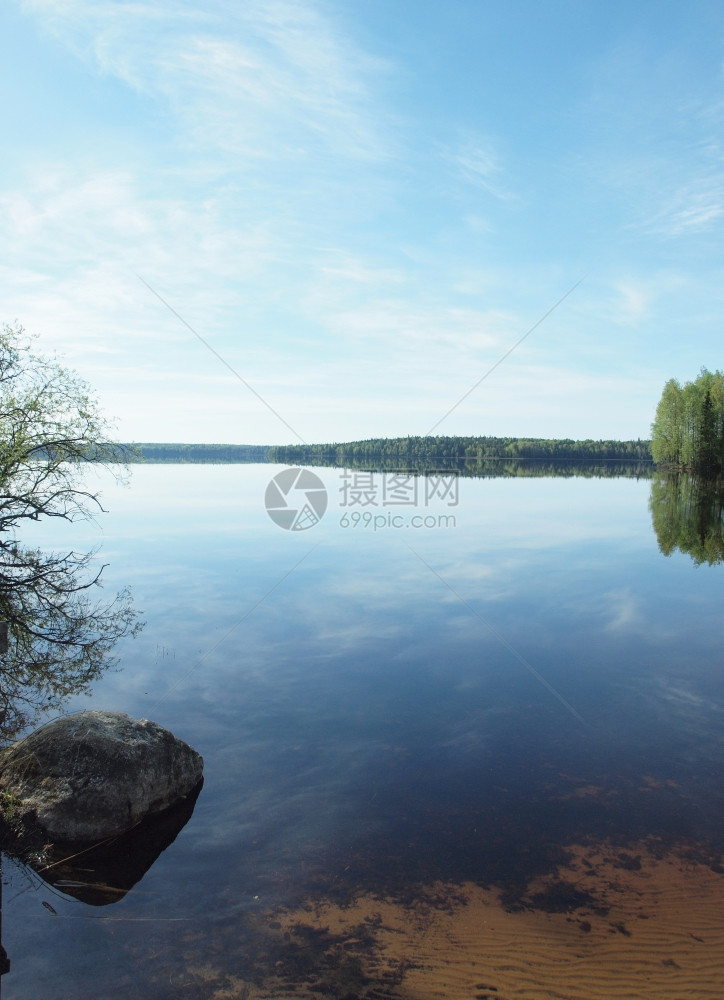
[
  {"x": 79, "y": 236},
  {"x": 479, "y": 162},
  {"x": 633, "y": 302},
  {"x": 692, "y": 208},
  {"x": 235, "y": 79}
]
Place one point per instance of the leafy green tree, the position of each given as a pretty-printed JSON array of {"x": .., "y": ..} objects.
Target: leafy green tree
[
  {"x": 51, "y": 428},
  {"x": 667, "y": 432},
  {"x": 688, "y": 430}
]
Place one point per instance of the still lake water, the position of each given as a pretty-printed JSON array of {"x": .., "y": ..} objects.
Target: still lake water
[{"x": 383, "y": 710}]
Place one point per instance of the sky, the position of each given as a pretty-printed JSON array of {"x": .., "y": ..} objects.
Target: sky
[{"x": 275, "y": 221}]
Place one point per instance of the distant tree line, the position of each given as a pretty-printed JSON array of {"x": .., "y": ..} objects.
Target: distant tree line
[
  {"x": 688, "y": 432},
  {"x": 198, "y": 453},
  {"x": 427, "y": 451},
  {"x": 412, "y": 453}
]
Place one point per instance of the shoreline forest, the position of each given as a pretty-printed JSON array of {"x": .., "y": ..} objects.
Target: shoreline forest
[
  {"x": 409, "y": 451},
  {"x": 688, "y": 430}
]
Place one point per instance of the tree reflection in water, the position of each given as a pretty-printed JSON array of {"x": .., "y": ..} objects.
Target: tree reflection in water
[
  {"x": 687, "y": 512},
  {"x": 60, "y": 638},
  {"x": 59, "y": 641}
]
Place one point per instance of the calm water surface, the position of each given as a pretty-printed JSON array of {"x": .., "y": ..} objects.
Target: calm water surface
[{"x": 380, "y": 709}]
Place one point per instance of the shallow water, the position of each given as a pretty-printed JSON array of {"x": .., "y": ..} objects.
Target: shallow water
[{"x": 383, "y": 711}]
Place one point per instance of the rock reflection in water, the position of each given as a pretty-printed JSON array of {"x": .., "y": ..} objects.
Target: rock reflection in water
[{"x": 105, "y": 872}]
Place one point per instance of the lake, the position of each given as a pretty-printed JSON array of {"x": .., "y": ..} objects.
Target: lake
[{"x": 476, "y": 754}]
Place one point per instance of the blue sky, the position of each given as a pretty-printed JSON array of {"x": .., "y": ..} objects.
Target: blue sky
[{"x": 362, "y": 206}]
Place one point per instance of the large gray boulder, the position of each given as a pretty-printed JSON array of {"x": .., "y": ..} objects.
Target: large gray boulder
[{"x": 93, "y": 775}]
